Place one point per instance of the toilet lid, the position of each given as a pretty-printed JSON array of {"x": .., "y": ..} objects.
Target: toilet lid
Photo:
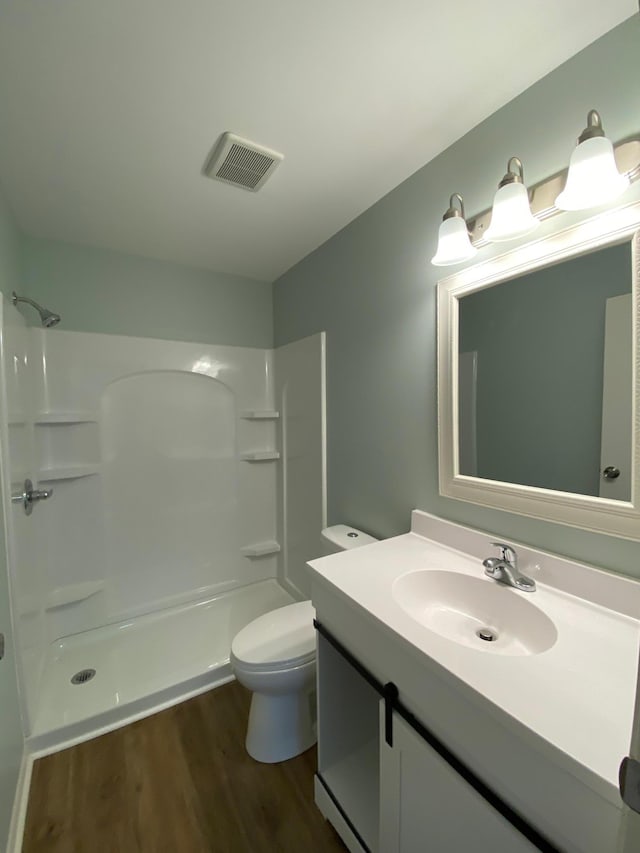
[{"x": 283, "y": 636}]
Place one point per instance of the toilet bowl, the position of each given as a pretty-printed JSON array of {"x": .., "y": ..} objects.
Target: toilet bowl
[{"x": 275, "y": 657}]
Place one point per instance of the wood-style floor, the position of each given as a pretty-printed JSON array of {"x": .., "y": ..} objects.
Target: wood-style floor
[{"x": 179, "y": 782}]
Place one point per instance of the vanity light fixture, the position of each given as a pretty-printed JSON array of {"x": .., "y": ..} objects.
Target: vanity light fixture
[
  {"x": 593, "y": 177},
  {"x": 511, "y": 215},
  {"x": 602, "y": 172},
  {"x": 454, "y": 245}
]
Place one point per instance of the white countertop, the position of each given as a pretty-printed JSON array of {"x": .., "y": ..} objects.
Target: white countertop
[{"x": 579, "y": 695}]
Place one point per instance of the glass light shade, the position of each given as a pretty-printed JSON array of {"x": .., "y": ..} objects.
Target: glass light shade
[
  {"x": 454, "y": 245},
  {"x": 593, "y": 177},
  {"x": 511, "y": 215}
]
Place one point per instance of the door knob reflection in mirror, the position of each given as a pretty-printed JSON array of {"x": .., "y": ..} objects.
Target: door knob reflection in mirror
[
  {"x": 30, "y": 496},
  {"x": 611, "y": 473}
]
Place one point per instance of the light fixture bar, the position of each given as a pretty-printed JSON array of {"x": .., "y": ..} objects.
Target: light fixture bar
[{"x": 543, "y": 195}]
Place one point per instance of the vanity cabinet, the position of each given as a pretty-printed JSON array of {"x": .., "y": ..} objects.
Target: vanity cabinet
[
  {"x": 427, "y": 807},
  {"x": 348, "y": 780},
  {"x": 537, "y": 733},
  {"x": 381, "y": 784}
]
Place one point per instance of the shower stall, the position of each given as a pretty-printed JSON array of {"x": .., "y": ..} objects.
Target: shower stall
[{"x": 187, "y": 490}]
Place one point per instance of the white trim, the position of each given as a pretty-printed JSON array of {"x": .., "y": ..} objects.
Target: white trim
[
  {"x": 20, "y": 803},
  {"x": 619, "y": 518}
]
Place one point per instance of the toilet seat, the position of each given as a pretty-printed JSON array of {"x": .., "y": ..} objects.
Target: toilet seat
[{"x": 279, "y": 640}]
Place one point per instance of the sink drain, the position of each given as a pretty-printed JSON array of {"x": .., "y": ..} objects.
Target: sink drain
[
  {"x": 83, "y": 676},
  {"x": 487, "y": 634}
]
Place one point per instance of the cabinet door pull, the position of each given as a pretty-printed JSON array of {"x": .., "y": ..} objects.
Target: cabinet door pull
[{"x": 390, "y": 692}]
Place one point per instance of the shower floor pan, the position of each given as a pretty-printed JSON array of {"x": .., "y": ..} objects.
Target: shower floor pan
[{"x": 142, "y": 665}]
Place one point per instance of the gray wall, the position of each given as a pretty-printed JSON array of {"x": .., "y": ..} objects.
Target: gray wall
[
  {"x": 11, "y": 741},
  {"x": 97, "y": 290},
  {"x": 372, "y": 288},
  {"x": 539, "y": 373},
  {"x": 10, "y": 253}
]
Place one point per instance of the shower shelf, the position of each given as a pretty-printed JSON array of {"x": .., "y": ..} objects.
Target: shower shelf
[
  {"x": 67, "y": 472},
  {"x": 260, "y": 456},
  {"x": 260, "y": 549},
  {"x": 260, "y": 415},
  {"x": 78, "y": 417}
]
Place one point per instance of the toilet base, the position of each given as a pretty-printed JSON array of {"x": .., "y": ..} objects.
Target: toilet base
[{"x": 281, "y": 726}]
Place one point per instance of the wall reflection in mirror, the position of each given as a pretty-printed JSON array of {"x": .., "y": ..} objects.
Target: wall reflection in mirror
[{"x": 545, "y": 377}]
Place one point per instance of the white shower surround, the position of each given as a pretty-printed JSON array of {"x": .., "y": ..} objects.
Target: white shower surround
[
  {"x": 159, "y": 459},
  {"x": 158, "y": 507},
  {"x": 26, "y": 578}
]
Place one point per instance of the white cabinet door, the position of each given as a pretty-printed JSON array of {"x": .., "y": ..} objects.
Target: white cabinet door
[{"x": 426, "y": 807}]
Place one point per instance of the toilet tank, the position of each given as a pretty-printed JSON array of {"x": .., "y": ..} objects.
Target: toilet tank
[{"x": 341, "y": 537}]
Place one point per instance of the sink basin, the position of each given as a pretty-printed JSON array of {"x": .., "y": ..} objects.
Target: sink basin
[{"x": 484, "y": 615}]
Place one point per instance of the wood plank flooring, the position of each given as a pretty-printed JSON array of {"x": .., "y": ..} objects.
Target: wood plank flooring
[{"x": 181, "y": 782}]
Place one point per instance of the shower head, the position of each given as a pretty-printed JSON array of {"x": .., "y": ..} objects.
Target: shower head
[{"x": 47, "y": 318}]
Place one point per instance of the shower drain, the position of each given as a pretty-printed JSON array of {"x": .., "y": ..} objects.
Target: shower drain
[
  {"x": 83, "y": 676},
  {"x": 487, "y": 634}
]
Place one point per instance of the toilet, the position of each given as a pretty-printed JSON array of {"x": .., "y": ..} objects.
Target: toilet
[{"x": 275, "y": 657}]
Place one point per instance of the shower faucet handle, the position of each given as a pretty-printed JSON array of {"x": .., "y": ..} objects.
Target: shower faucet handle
[
  {"x": 40, "y": 494},
  {"x": 29, "y": 496}
]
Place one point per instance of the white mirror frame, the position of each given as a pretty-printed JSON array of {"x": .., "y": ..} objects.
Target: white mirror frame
[{"x": 603, "y": 515}]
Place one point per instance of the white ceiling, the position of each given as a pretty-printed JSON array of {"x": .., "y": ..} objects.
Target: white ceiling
[{"x": 108, "y": 109}]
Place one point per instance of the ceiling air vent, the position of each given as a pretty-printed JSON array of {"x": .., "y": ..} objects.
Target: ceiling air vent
[{"x": 241, "y": 162}]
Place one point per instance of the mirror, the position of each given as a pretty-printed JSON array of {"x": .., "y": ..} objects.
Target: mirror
[
  {"x": 536, "y": 358},
  {"x": 536, "y": 379}
]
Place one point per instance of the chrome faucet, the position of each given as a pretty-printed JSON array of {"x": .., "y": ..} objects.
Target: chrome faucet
[{"x": 505, "y": 569}]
